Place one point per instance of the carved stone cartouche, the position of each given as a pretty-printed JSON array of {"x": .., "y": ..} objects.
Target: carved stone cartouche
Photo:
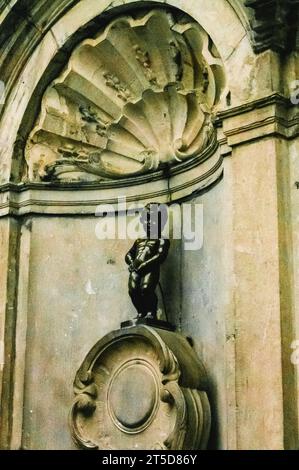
[{"x": 141, "y": 388}]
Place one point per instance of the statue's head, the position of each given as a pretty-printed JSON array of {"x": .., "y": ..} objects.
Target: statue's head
[{"x": 154, "y": 218}]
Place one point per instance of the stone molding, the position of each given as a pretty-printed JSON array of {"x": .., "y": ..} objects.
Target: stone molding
[
  {"x": 181, "y": 182},
  {"x": 270, "y": 116},
  {"x": 273, "y": 115}
]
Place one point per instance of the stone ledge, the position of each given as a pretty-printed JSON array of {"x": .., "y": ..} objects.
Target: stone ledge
[
  {"x": 273, "y": 115},
  {"x": 83, "y": 199}
]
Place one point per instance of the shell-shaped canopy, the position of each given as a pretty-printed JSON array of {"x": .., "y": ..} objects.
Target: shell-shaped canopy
[{"x": 137, "y": 97}]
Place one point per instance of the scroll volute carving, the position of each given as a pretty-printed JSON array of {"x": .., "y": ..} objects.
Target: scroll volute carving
[
  {"x": 141, "y": 388},
  {"x": 136, "y": 98}
]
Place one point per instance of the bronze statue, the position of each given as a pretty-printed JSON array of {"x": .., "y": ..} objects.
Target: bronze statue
[{"x": 144, "y": 260}]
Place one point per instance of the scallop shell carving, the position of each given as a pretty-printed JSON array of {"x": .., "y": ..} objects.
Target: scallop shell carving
[{"x": 136, "y": 98}]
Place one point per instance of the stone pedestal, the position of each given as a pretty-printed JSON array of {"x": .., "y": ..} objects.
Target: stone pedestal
[{"x": 141, "y": 388}]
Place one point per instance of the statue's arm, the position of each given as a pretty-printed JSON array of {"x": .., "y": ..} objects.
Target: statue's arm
[
  {"x": 130, "y": 256},
  {"x": 159, "y": 258}
]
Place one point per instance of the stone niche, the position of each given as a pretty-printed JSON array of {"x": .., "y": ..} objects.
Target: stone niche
[
  {"x": 131, "y": 114},
  {"x": 137, "y": 98},
  {"x": 105, "y": 99}
]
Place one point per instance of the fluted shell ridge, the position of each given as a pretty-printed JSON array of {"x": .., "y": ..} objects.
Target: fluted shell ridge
[{"x": 134, "y": 99}]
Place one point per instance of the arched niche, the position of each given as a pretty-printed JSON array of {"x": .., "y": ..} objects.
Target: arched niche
[
  {"x": 228, "y": 32},
  {"x": 237, "y": 343},
  {"x": 137, "y": 98}
]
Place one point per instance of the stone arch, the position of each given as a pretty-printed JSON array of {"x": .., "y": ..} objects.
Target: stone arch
[{"x": 227, "y": 31}]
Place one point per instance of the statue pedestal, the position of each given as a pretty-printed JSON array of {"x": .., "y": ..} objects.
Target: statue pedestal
[
  {"x": 141, "y": 388},
  {"x": 163, "y": 325}
]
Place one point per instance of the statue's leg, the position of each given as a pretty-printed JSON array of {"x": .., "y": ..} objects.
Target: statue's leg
[
  {"x": 134, "y": 291},
  {"x": 149, "y": 298}
]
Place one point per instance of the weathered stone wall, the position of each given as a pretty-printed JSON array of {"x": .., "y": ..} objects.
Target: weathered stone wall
[{"x": 237, "y": 297}]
